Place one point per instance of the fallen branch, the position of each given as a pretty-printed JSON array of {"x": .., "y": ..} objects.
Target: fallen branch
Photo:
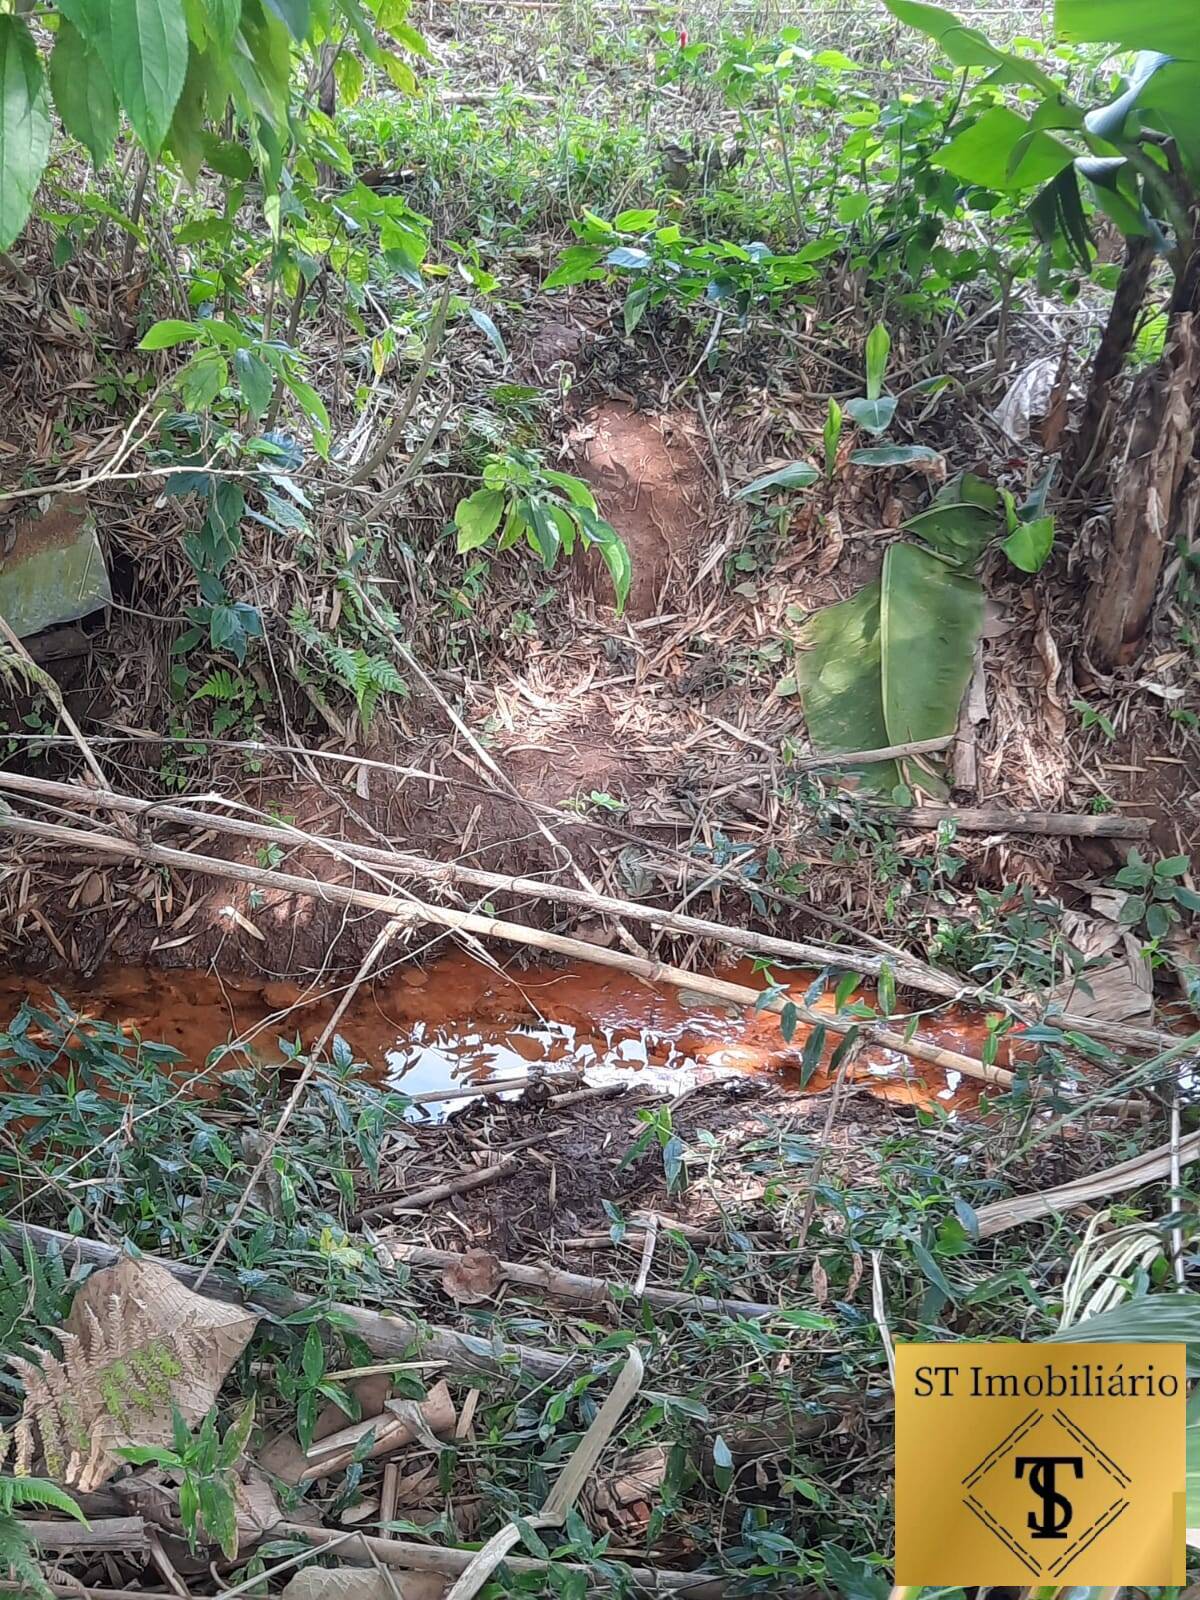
[
  {"x": 1149, "y": 1167},
  {"x": 910, "y": 971},
  {"x": 1050, "y": 824},
  {"x": 573, "y": 1286},
  {"x": 402, "y": 863},
  {"x": 439, "y": 1191},
  {"x": 387, "y": 1336},
  {"x": 94, "y": 843},
  {"x": 127, "y": 1534},
  {"x": 364, "y": 1550}
]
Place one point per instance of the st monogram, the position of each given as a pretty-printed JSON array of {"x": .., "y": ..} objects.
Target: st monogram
[{"x": 1040, "y": 1464}]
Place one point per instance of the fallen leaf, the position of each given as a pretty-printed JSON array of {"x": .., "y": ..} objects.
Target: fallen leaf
[
  {"x": 137, "y": 1344},
  {"x": 473, "y": 1277}
]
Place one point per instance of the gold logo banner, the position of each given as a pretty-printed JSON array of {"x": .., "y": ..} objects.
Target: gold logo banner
[{"x": 1040, "y": 1464}]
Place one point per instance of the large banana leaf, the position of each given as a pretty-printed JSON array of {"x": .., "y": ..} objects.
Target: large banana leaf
[
  {"x": 839, "y": 677},
  {"x": 1169, "y": 25},
  {"x": 930, "y": 617}
]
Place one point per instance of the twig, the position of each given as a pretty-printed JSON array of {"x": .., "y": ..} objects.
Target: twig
[
  {"x": 440, "y": 1191},
  {"x": 648, "y": 1243},
  {"x": 396, "y": 430},
  {"x": 573, "y": 1286}
]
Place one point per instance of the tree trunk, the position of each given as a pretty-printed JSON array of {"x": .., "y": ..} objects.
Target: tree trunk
[
  {"x": 1157, "y": 499},
  {"x": 1087, "y": 446}
]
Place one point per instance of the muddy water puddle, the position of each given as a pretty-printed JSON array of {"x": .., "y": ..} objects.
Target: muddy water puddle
[{"x": 459, "y": 1024}]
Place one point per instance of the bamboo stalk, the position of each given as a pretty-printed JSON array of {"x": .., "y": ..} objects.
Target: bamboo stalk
[
  {"x": 413, "y": 1557},
  {"x": 1149, "y": 1167},
  {"x": 914, "y": 974},
  {"x": 911, "y": 971},
  {"x": 573, "y": 1286},
  {"x": 94, "y": 843},
  {"x": 1049, "y": 824},
  {"x": 105, "y": 1533},
  {"x": 386, "y": 1335}
]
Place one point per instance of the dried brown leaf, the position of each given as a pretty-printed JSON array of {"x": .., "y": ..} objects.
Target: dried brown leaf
[{"x": 474, "y": 1276}]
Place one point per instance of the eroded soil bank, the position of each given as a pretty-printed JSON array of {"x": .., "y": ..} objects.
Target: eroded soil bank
[{"x": 460, "y": 1022}]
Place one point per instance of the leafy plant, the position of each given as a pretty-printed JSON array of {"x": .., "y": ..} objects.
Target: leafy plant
[
  {"x": 889, "y": 666},
  {"x": 18, "y": 1553},
  {"x": 1156, "y": 898},
  {"x": 523, "y": 499},
  {"x": 206, "y": 1467}
]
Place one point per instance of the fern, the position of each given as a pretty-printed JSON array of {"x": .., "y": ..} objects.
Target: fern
[
  {"x": 34, "y": 1294},
  {"x": 17, "y": 1551}
]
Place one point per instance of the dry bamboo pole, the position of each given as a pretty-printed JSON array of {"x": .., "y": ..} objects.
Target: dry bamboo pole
[
  {"x": 1048, "y": 824},
  {"x": 102, "y": 1533},
  {"x": 912, "y": 972},
  {"x": 737, "y": 994},
  {"x": 412, "y": 1557},
  {"x": 574, "y": 1287},
  {"x": 388, "y": 1336},
  {"x": 915, "y": 974}
]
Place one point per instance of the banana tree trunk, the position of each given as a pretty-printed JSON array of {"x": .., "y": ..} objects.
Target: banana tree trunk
[
  {"x": 1087, "y": 449},
  {"x": 1157, "y": 499}
]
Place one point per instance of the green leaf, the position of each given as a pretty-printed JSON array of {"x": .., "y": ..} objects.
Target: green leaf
[
  {"x": 893, "y": 455},
  {"x": 983, "y": 153},
  {"x": 293, "y": 14},
  {"x": 313, "y": 406},
  {"x": 546, "y": 538},
  {"x": 959, "y": 530},
  {"x": 312, "y": 1358},
  {"x": 24, "y": 126},
  {"x": 579, "y": 262},
  {"x": 636, "y": 302},
  {"x": 840, "y": 680},
  {"x": 616, "y": 557},
  {"x": 1108, "y": 122},
  {"x": 930, "y": 618},
  {"x": 968, "y": 47},
  {"x": 831, "y": 435},
  {"x": 933, "y": 1272},
  {"x": 873, "y": 416},
  {"x": 1150, "y": 1319},
  {"x": 256, "y": 381},
  {"x": 477, "y": 518},
  {"x": 1170, "y": 25},
  {"x": 1030, "y": 544},
  {"x": 796, "y": 475},
  {"x": 814, "y": 1049},
  {"x": 202, "y": 380},
  {"x": 144, "y": 47},
  {"x": 489, "y": 330},
  {"x": 170, "y": 332},
  {"x": 83, "y": 94},
  {"x": 879, "y": 345}
]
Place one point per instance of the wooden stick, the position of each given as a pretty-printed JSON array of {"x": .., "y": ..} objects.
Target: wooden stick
[
  {"x": 516, "y": 933},
  {"x": 105, "y": 1533},
  {"x": 407, "y": 1554},
  {"x": 911, "y": 972},
  {"x": 1050, "y": 824},
  {"x": 439, "y": 1191},
  {"x": 914, "y": 975},
  {"x": 1149, "y": 1167},
  {"x": 386, "y": 1335},
  {"x": 858, "y": 758},
  {"x": 572, "y": 1286}
]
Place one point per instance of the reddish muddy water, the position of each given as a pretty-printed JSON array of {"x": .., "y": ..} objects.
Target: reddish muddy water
[{"x": 459, "y": 1022}]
